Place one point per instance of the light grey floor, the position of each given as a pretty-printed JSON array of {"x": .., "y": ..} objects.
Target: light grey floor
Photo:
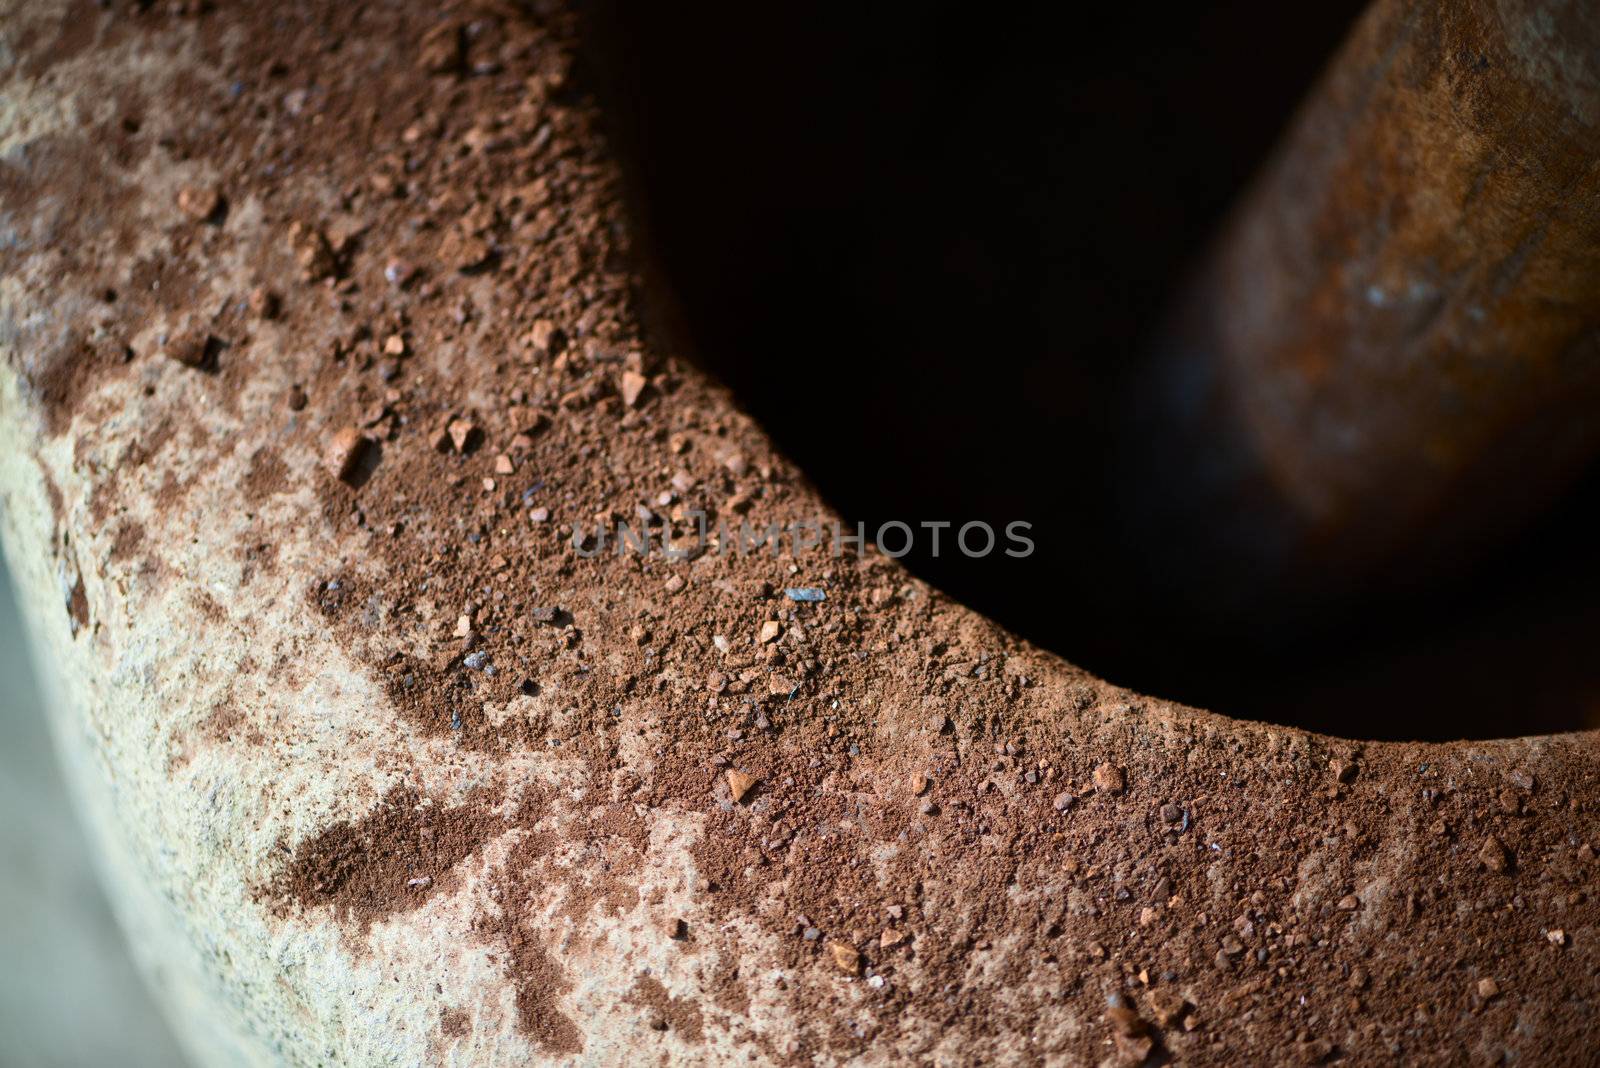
[{"x": 69, "y": 994}]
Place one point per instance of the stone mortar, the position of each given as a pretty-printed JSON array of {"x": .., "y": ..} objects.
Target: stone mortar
[{"x": 333, "y": 840}]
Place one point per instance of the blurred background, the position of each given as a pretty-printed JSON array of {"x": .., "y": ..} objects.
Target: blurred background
[
  {"x": 933, "y": 251},
  {"x": 70, "y": 996}
]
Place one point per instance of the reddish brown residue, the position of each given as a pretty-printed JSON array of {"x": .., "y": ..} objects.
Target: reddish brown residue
[
  {"x": 143, "y": 450},
  {"x": 454, "y": 1023},
  {"x": 125, "y": 543},
  {"x": 259, "y": 558},
  {"x": 78, "y": 606},
  {"x": 390, "y": 861},
  {"x": 267, "y": 476},
  {"x": 209, "y": 608},
  {"x": 220, "y": 723},
  {"x": 58, "y": 504},
  {"x": 169, "y": 497},
  {"x": 64, "y": 373},
  {"x": 76, "y": 31},
  {"x": 47, "y": 186},
  {"x": 404, "y": 851},
  {"x": 666, "y": 1013},
  {"x": 537, "y": 979}
]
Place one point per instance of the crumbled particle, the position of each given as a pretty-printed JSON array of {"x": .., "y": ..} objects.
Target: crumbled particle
[
  {"x": 200, "y": 203},
  {"x": 399, "y": 272},
  {"x": 632, "y": 387},
  {"x": 344, "y": 452},
  {"x": 1493, "y": 855},
  {"x": 545, "y": 338},
  {"x": 443, "y": 49},
  {"x": 1125, "y": 1020},
  {"x": 190, "y": 346},
  {"x": 740, "y": 783},
  {"x": 263, "y": 303},
  {"x": 312, "y": 252},
  {"x": 769, "y": 632},
  {"x": 463, "y": 434},
  {"x": 1133, "y": 1049},
  {"x": 1166, "y": 1006},
  {"x": 465, "y": 250},
  {"x": 846, "y": 958},
  {"x": 1109, "y": 779}
]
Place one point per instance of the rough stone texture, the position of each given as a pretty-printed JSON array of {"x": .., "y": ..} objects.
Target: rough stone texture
[{"x": 255, "y": 668}]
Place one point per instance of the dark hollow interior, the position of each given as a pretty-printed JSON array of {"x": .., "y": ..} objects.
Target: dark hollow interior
[{"x": 927, "y": 244}]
